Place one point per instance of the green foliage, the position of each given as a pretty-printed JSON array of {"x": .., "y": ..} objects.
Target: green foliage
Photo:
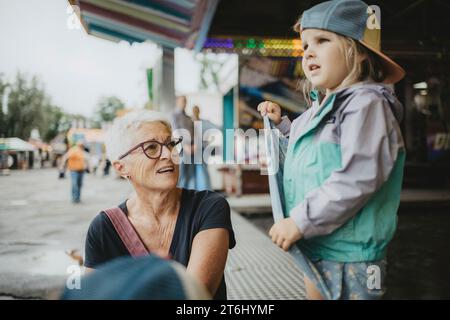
[
  {"x": 107, "y": 109},
  {"x": 28, "y": 107}
]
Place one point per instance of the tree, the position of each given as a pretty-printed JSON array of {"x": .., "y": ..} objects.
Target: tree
[
  {"x": 25, "y": 107},
  {"x": 107, "y": 109},
  {"x": 3, "y": 85},
  {"x": 29, "y": 107},
  {"x": 55, "y": 117}
]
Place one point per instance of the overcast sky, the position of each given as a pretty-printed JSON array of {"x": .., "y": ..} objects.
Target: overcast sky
[{"x": 77, "y": 69}]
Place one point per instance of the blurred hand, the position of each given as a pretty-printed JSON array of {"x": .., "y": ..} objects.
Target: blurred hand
[
  {"x": 272, "y": 110},
  {"x": 284, "y": 233},
  {"x": 162, "y": 254}
]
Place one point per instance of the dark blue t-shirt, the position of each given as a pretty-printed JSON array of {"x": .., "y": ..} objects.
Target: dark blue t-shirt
[{"x": 199, "y": 210}]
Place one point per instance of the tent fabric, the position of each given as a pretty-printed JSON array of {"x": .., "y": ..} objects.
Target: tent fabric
[{"x": 15, "y": 144}]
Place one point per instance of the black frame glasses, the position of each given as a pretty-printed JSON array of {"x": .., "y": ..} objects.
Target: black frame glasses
[{"x": 170, "y": 145}]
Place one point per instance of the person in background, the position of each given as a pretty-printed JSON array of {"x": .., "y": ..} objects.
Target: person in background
[
  {"x": 202, "y": 179},
  {"x": 94, "y": 163},
  {"x": 106, "y": 167},
  {"x": 76, "y": 161},
  {"x": 182, "y": 122}
]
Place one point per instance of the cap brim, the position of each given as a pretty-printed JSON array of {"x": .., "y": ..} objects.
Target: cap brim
[{"x": 393, "y": 72}]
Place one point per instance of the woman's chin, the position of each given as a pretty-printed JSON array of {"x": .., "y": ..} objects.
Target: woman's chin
[
  {"x": 159, "y": 183},
  {"x": 166, "y": 183}
]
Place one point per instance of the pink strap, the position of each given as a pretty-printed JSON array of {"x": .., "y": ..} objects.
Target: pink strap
[{"x": 126, "y": 232}]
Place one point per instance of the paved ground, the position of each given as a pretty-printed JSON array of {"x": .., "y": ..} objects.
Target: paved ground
[{"x": 38, "y": 224}]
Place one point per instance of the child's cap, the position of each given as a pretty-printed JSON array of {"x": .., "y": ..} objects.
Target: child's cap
[{"x": 354, "y": 19}]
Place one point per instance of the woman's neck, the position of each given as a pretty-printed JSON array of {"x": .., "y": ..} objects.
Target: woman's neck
[{"x": 154, "y": 204}]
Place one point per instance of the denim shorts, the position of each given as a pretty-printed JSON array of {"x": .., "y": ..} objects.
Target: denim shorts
[{"x": 351, "y": 280}]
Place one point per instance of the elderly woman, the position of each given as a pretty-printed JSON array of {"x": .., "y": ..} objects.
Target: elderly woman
[{"x": 191, "y": 227}]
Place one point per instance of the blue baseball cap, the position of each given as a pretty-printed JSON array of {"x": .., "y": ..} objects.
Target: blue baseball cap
[
  {"x": 143, "y": 278},
  {"x": 354, "y": 19}
]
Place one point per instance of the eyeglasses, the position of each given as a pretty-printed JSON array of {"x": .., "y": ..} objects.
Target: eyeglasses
[{"x": 152, "y": 148}]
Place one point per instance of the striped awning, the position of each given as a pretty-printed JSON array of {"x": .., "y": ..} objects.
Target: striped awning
[{"x": 169, "y": 23}]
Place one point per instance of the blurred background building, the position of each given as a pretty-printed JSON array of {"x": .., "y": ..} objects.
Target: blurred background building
[{"x": 260, "y": 33}]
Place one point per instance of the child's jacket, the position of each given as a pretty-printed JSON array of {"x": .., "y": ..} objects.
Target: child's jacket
[{"x": 343, "y": 173}]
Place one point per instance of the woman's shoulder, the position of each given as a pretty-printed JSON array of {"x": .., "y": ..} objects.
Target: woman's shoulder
[
  {"x": 102, "y": 241},
  {"x": 101, "y": 221},
  {"x": 209, "y": 209},
  {"x": 205, "y": 203},
  {"x": 98, "y": 223}
]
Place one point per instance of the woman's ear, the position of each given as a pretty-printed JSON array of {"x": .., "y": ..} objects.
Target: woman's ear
[{"x": 121, "y": 168}]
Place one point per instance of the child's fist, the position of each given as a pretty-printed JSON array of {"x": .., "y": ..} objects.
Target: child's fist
[
  {"x": 284, "y": 233},
  {"x": 272, "y": 110}
]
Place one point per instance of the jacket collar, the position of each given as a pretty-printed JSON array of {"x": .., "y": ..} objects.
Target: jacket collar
[{"x": 321, "y": 113}]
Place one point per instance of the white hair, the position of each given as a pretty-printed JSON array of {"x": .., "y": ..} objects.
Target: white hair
[{"x": 119, "y": 137}]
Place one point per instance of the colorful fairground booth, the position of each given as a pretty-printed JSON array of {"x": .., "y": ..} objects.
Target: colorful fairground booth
[
  {"x": 15, "y": 153},
  {"x": 267, "y": 69},
  {"x": 260, "y": 33}
]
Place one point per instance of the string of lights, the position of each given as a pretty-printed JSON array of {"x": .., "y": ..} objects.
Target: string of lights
[{"x": 255, "y": 46}]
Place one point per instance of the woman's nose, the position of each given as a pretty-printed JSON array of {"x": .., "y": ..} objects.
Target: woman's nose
[{"x": 165, "y": 152}]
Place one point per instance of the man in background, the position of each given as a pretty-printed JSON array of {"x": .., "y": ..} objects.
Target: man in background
[
  {"x": 180, "y": 120},
  {"x": 76, "y": 160}
]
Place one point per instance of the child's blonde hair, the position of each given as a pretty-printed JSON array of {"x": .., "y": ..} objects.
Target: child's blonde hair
[{"x": 368, "y": 69}]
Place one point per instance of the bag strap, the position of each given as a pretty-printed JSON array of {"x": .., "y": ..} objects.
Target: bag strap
[{"x": 126, "y": 232}]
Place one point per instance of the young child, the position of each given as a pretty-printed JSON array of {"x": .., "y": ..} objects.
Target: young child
[{"x": 345, "y": 155}]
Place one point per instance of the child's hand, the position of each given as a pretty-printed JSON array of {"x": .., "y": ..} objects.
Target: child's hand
[
  {"x": 272, "y": 110},
  {"x": 285, "y": 233}
]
